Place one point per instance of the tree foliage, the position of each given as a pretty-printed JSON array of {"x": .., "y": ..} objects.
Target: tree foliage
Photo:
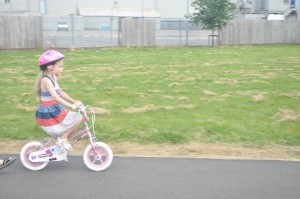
[{"x": 212, "y": 14}]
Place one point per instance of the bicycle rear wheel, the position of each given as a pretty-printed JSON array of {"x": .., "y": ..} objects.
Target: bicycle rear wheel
[
  {"x": 100, "y": 159},
  {"x": 24, "y": 156}
]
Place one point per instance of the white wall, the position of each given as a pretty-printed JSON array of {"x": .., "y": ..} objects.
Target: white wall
[
  {"x": 167, "y": 8},
  {"x": 277, "y": 5},
  {"x": 174, "y": 8}
]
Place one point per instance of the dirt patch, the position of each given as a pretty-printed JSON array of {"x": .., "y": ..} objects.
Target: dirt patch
[
  {"x": 288, "y": 115},
  {"x": 190, "y": 150},
  {"x": 209, "y": 93},
  {"x": 151, "y": 107},
  {"x": 168, "y": 97},
  {"x": 214, "y": 151},
  {"x": 101, "y": 111},
  {"x": 258, "y": 97},
  {"x": 24, "y": 108}
]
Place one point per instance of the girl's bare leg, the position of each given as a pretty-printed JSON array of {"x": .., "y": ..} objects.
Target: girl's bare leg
[{"x": 71, "y": 130}]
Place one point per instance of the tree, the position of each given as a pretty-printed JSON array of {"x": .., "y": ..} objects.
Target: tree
[{"x": 212, "y": 14}]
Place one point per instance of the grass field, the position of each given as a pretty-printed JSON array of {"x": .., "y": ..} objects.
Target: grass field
[{"x": 245, "y": 95}]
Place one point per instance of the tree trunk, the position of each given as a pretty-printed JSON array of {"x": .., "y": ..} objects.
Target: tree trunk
[
  {"x": 213, "y": 38},
  {"x": 218, "y": 41}
]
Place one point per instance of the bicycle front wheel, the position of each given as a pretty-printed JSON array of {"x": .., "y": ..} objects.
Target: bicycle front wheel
[{"x": 98, "y": 159}]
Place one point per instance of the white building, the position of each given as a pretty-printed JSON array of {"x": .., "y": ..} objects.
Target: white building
[
  {"x": 246, "y": 9},
  {"x": 268, "y": 9},
  {"x": 138, "y": 8}
]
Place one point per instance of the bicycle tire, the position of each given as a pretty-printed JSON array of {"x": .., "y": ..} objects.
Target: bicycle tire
[
  {"x": 24, "y": 156},
  {"x": 103, "y": 162}
]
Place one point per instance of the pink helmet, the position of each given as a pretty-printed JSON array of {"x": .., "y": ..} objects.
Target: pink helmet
[{"x": 50, "y": 57}]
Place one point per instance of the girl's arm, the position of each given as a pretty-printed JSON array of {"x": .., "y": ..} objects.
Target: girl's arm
[
  {"x": 66, "y": 97},
  {"x": 49, "y": 87}
]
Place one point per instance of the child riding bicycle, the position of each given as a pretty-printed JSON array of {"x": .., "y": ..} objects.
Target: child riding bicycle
[{"x": 51, "y": 114}]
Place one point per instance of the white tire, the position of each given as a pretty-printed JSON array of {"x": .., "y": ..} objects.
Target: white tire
[
  {"x": 24, "y": 156},
  {"x": 98, "y": 163}
]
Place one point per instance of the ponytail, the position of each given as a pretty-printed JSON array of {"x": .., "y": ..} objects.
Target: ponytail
[
  {"x": 38, "y": 86},
  {"x": 40, "y": 77}
]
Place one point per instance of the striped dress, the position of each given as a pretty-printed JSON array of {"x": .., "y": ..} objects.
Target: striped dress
[{"x": 52, "y": 116}]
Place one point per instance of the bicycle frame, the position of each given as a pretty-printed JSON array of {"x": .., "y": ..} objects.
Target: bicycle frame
[{"x": 83, "y": 132}]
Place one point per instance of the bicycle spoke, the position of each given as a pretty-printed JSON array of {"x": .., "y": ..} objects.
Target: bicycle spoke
[{"x": 98, "y": 160}]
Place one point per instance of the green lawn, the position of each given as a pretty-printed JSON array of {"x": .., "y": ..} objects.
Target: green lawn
[{"x": 246, "y": 95}]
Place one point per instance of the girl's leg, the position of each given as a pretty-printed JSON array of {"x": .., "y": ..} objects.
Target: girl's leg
[
  {"x": 71, "y": 130},
  {"x": 65, "y": 136}
]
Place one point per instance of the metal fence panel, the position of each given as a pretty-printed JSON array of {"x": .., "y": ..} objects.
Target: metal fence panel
[
  {"x": 80, "y": 32},
  {"x": 89, "y": 32},
  {"x": 180, "y": 32}
]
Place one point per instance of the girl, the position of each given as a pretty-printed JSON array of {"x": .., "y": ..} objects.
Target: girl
[{"x": 51, "y": 115}]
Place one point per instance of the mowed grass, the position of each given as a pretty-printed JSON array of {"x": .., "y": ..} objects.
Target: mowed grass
[{"x": 245, "y": 95}]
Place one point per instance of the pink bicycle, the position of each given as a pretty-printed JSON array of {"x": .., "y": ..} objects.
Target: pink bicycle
[{"x": 97, "y": 156}]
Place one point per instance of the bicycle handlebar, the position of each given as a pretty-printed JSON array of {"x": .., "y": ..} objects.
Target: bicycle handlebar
[
  {"x": 82, "y": 107},
  {"x": 83, "y": 110}
]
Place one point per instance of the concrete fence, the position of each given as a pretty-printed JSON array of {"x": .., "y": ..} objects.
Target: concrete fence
[
  {"x": 18, "y": 32},
  {"x": 260, "y": 32}
]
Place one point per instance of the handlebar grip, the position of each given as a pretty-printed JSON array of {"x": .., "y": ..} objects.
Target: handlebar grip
[{"x": 82, "y": 107}]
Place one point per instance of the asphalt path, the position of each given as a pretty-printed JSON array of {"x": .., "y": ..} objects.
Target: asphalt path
[{"x": 154, "y": 178}]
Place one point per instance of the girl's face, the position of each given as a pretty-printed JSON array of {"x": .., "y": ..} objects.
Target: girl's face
[{"x": 58, "y": 68}]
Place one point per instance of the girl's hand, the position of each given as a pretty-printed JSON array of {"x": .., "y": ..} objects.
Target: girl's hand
[
  {"x": 73, "y": 106},
  {"x": 78, "y": 104}
]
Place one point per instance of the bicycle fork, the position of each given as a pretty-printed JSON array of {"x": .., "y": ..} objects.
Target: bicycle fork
[{"x": 93, "y": 142}]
